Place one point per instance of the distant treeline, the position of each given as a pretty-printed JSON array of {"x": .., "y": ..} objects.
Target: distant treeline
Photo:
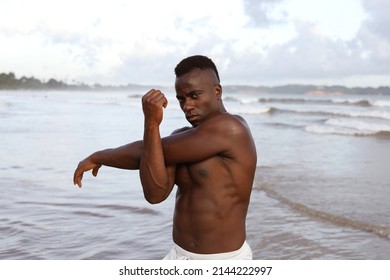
[{"x": 10, "y": 82}]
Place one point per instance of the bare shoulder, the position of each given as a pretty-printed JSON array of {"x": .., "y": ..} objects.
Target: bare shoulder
[
  {"x": 179, "y": 130},
  {"x": 227, "y": 123},
  {"x": 234, "y": 137}
]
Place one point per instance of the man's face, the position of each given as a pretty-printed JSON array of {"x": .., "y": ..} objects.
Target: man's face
[{"x": 199, "y": 94}]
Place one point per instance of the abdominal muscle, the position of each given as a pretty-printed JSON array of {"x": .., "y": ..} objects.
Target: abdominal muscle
[{"x": 209, "y": 218}]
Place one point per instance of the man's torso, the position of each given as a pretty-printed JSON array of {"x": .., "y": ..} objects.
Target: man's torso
[{"x": 212, "y": 199}]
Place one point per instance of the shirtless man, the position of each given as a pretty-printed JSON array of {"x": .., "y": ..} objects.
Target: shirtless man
[{"x": 212, "y": 163}]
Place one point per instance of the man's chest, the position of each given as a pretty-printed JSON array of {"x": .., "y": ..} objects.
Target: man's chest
[{"x": 200, "y": 173}]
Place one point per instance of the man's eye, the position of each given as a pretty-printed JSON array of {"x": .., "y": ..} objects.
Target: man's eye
[{"x": 194, "y": 96}]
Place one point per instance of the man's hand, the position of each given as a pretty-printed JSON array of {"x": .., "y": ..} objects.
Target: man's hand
[
  {"x": 85, "y": 165},
  {"x": 153, "y": 103}
]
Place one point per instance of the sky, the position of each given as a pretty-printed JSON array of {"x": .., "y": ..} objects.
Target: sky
[{"x": 252, "y": 42}]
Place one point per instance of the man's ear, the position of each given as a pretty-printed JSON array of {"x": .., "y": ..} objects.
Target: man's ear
[{"x": 218, "y": 91}]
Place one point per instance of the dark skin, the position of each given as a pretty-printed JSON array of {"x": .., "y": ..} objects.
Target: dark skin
[{"x": 212, "y": 163}]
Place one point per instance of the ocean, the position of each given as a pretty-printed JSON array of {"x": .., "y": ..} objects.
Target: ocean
[{"x": 322, "y": 187}]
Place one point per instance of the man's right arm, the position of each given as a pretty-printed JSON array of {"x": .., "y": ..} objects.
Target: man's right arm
[{"x": 124, "y": 157}]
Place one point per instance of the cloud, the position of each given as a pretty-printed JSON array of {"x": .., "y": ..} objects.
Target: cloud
[
  {"x": 374, "y": 36},
  {"x": 251, "y": 41},
  {"x": 265, "y": 12},
  {"x": 153, "y": 69},
  {"x": 378, "y": 21},
  {"x": 319, "y": 55}
]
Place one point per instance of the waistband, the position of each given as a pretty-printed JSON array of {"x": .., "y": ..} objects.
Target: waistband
[{"x": 244, "y": 252}]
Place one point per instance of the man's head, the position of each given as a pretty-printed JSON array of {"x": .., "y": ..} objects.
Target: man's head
[
  {"x": 197, "y": 61},
  {"x": 198, "y": 88}
]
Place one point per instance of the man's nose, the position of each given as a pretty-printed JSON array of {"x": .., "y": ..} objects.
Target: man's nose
[{"x": 188, "y": 106}]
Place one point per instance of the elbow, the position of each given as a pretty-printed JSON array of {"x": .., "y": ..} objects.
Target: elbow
[
  {"x": 154, "y": 193},
  {"x": 156, "y": 196},
  {"x": 153, "y": 199}
]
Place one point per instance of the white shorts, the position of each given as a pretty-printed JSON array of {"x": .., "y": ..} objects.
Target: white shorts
[{"x": 178, "y": 253}]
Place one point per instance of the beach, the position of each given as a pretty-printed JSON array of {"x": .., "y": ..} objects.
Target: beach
[{"x": 321, "y": 191}]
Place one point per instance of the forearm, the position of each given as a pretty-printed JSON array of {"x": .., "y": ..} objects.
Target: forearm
[
  {"x": 153, "y": 172},
  {"x": 124, "y": 157}
]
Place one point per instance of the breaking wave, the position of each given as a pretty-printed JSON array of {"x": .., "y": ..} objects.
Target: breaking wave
[
  {"x": 335, "y": 219},
  {"x": 333, "y": 101}
]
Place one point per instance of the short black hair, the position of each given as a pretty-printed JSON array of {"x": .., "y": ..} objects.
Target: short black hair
[{"x": 196, "y": 61}]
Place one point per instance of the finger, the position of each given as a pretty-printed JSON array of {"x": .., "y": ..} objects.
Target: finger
[
  {"x": 75, "y": 177},
  {"x": 165, "y": 103},
  {"x": 96, "y": 170},
  {"x": 161, "y": 99},
  {"x": 78, "y": 180},
  {"x": 146, "y": 96},
  {"x": 157, "y": 99}
]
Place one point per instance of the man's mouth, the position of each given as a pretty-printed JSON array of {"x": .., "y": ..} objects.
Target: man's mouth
[{"x": 190, "y": 116}]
